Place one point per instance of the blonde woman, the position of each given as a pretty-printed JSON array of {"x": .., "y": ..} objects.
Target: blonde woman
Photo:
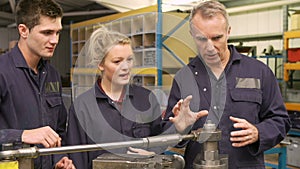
[{"x": 113, "y": 109}]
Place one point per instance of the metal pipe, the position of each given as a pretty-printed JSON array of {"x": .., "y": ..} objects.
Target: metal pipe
[
  {"x": 12, "y": 5},
  {"x": 159, "y": 42},
  {"x": 170, "y": 6},
  {"x": 85, "y": 13},
  {"x": 147, "y": 142},
  {"x": 261, "y": 6},
  {"x": 91, "y": 147}
]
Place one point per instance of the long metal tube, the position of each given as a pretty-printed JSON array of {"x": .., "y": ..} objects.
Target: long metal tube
[
  {"x": 261, "y": 6},
  {"x": 91, "y": 147},
  {"x": 171, "y": 5},
  {"x": 154, "y": 141}
]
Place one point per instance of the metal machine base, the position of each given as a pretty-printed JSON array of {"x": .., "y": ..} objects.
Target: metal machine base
[{"x": 126, "y": 161}]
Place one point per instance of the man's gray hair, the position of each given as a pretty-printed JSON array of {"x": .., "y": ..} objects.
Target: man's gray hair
[{"x": 209, "y": 9}]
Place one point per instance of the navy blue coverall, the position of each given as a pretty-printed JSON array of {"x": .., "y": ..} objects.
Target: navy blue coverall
[
  {"x": 95, "y": 118},
  {"x": 29, "y": 101},
  {"x": 251, "y": 93}
]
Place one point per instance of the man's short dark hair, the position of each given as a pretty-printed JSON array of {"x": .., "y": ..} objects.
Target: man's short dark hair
[{"x": 28, "y": 12}]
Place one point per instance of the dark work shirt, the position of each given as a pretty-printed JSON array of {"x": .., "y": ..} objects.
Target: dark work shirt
[
  {"x": 36, "y": 76},
  {"x": 218, "y": 97},
  {"x": 252, "y": 93},
  {"x": 29, "y": 101},
  {"x": 95, "y": 118}
]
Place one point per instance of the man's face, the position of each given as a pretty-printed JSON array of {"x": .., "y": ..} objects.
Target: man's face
[
  {"x": 211, "y": 35},
  {"x": 43, "y": 38}
]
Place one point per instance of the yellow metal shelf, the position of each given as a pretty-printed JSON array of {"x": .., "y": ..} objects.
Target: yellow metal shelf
[
  {"x": 91, "y": 71},
  {"x": 288, "y": 67},
  {"x": 290, "y": 35},
  {"x": 292, "y": 106},
  {"x": 145, "y": 71}
]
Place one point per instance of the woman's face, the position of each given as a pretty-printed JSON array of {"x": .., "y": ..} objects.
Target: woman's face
[{"x": 117, "y": 64}]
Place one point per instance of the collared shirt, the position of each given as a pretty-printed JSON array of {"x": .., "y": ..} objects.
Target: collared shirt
[
  {"x": 36, "y": 76},
  {"x": 118, "y": 103},
  {"x": 218, "y": 96},
  {"x": 29, "y": 101},
  {"x": 252, "y": 93},
  {"x": 95, "y": 118}
]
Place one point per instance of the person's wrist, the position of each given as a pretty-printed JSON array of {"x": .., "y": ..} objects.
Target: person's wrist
[{"x": 183, "y": 129}]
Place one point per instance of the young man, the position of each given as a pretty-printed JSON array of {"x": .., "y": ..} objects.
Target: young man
[
  {"x": 237, "y": 93},
  {"x": 31, "y": 106}
]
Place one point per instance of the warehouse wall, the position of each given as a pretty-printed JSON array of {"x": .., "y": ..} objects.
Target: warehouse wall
[
  {"x": 264, "y": 21},
  {"x": 7, "y": 35},
  {"x": 258, "y": 22}
]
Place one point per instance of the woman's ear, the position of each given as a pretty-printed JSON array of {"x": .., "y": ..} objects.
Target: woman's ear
[{"x": 100, "y": 67}]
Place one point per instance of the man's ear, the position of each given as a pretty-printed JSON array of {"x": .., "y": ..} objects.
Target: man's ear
[
  {"x": 23, "y": 31},
  {"x": 229, "y": 30}
]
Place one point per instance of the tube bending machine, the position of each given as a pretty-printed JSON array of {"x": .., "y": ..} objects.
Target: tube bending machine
[{"x": 209, "y": 159}]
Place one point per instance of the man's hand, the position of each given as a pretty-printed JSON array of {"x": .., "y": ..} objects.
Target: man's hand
[
  {"x": 247, "y": 135},
  {"x": 139, "y": 151},
  {"x": 65, "y": 163},
  {"x": 44, "y": 135},
  {"x": 183, "y": 116}
]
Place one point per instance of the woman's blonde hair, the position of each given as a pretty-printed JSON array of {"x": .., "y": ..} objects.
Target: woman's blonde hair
[{"x": 100, "y": 43}]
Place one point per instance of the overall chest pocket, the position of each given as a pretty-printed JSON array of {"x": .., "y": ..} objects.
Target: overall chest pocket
[
  {"x": 54, "y": 104},
  {"x": 53, "y": 101},
  {"x": 246, "y": 103}
]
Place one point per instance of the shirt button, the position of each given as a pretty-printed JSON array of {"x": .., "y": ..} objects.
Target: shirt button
[
  {"x": 204, "y": 89},
  {"x": 196, "y": 73},
  {"x": 215, "y": 107}
]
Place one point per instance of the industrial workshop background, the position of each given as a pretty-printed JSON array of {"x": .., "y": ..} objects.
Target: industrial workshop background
[{"x": 268, "y": 30}]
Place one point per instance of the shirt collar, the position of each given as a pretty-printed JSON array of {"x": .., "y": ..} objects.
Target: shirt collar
[
  {"x": 99, "y": 93},
  {"x": 234, "y": 56},
  {"x": 20, "y": 61}
]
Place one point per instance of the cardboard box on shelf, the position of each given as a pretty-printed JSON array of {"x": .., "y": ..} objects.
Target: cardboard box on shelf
[{"x": 295, "y": 21}]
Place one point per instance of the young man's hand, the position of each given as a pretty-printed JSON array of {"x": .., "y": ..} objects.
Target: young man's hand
[{"x": 44, "y": 135}]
